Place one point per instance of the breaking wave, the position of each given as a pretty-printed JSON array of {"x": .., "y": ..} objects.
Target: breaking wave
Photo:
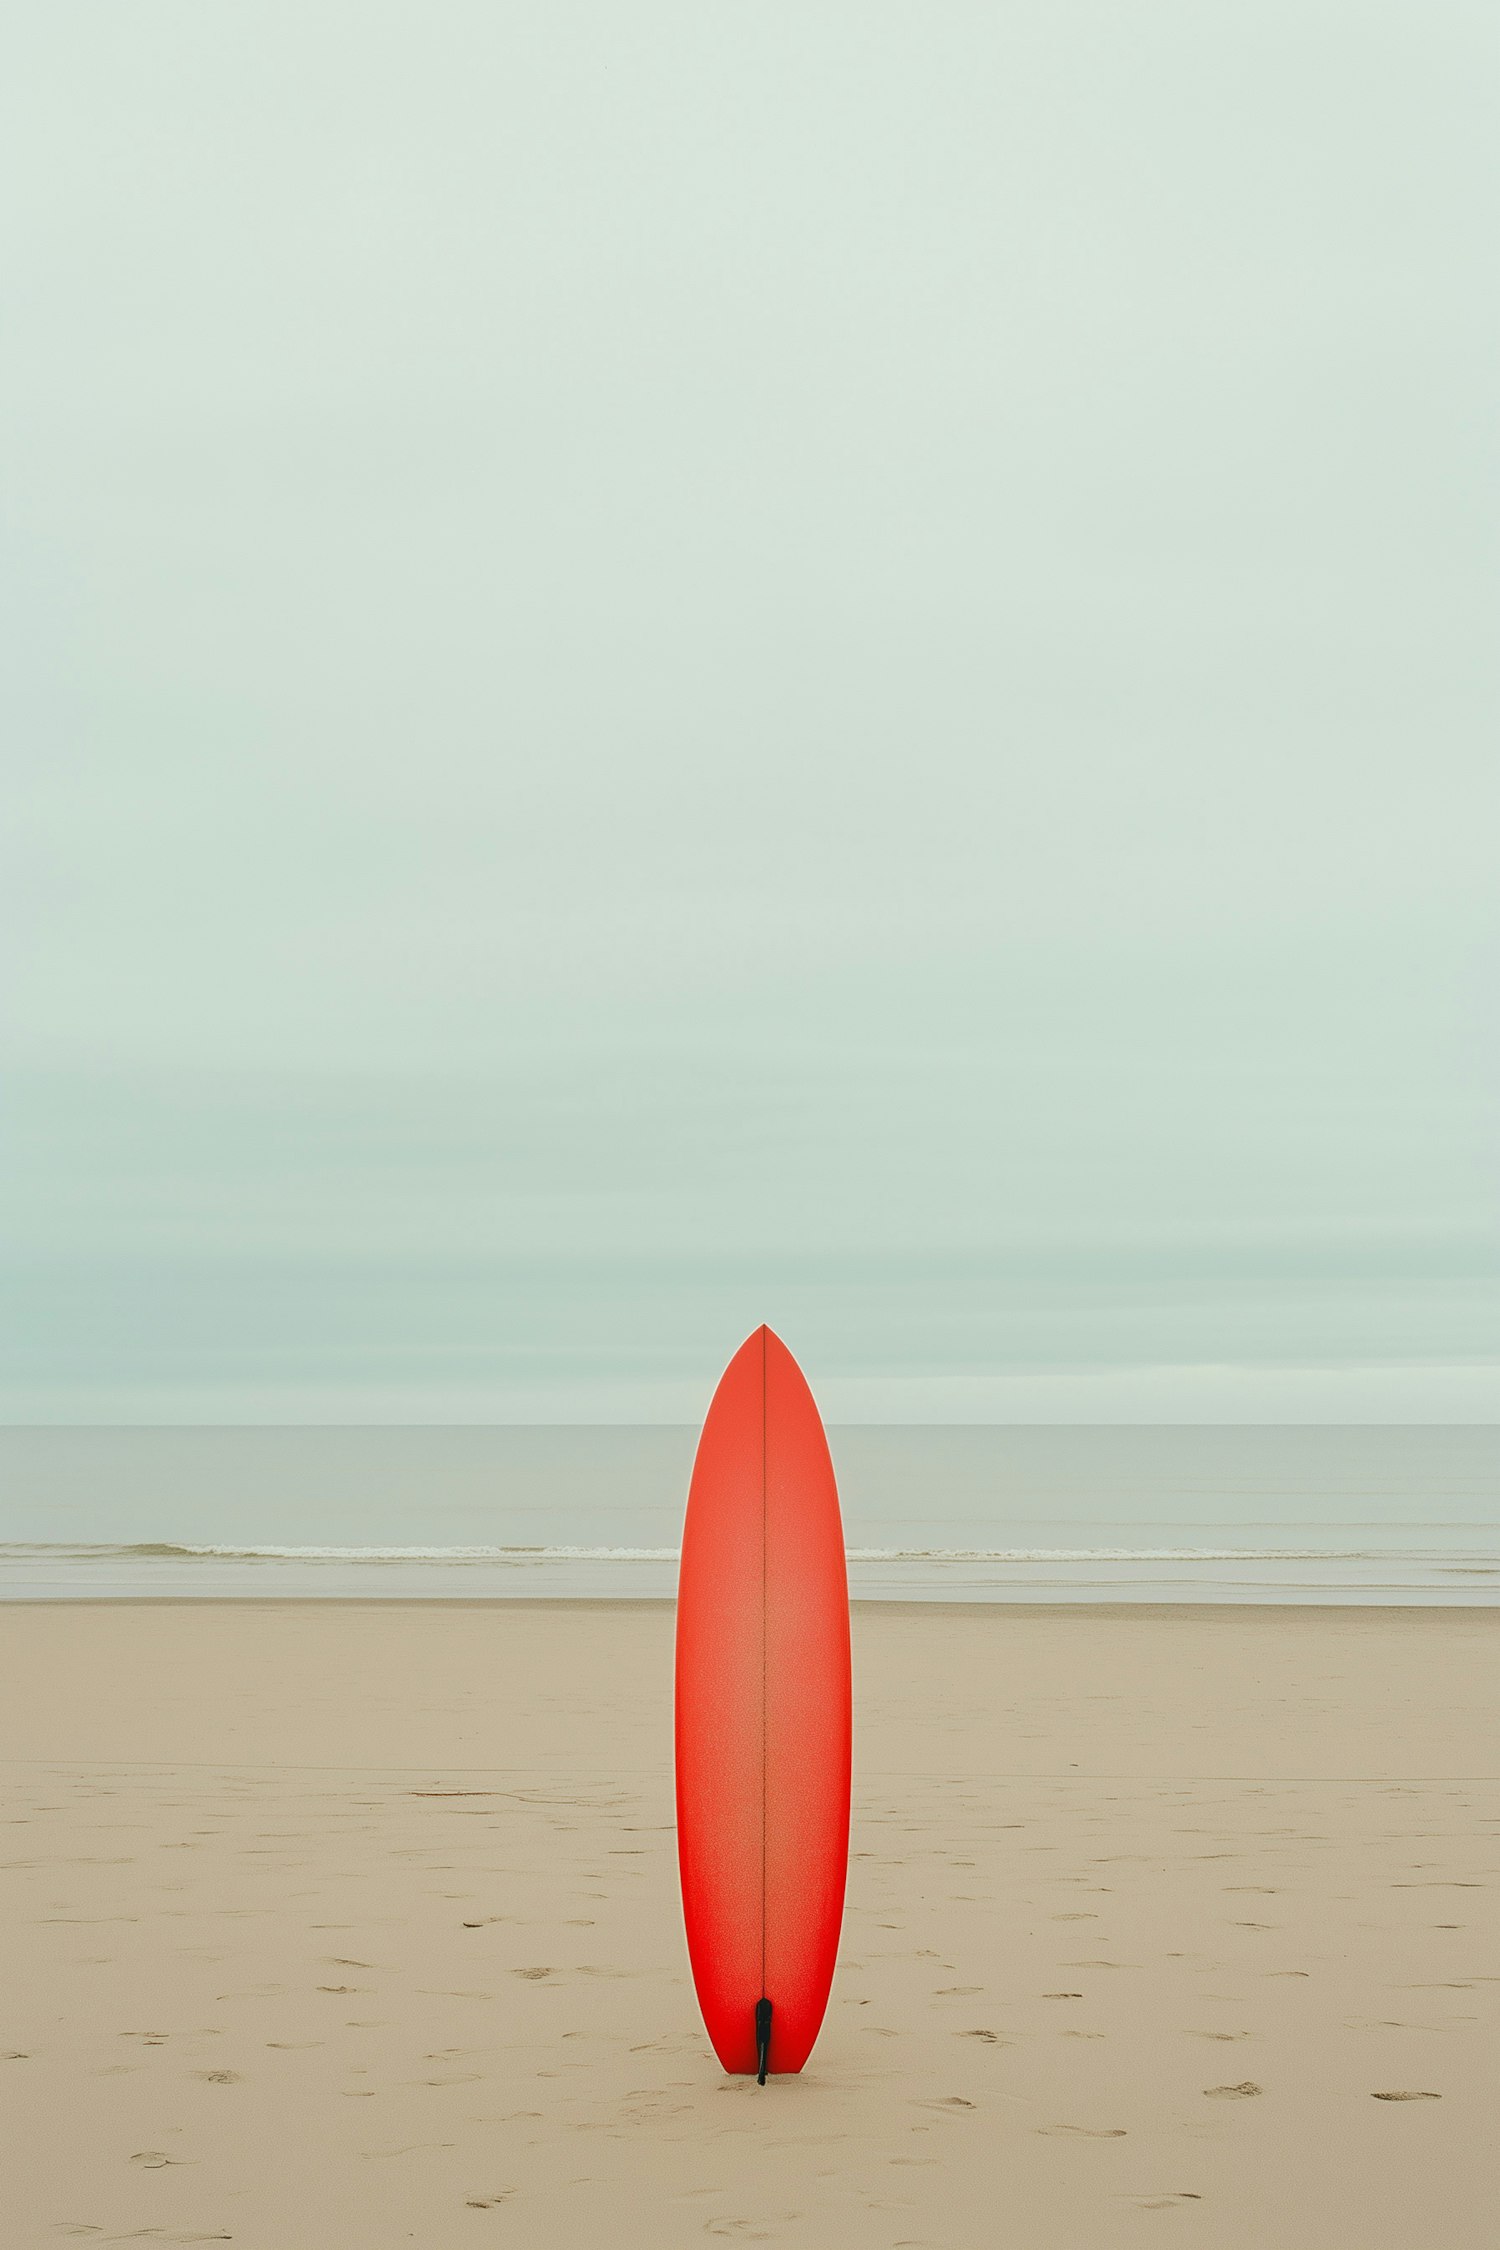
[{"x": 163, "y": 1550}]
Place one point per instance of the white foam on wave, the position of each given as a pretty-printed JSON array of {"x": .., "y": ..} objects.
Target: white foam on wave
[
  {"x": 171, "y": 1551},
  {"x": 403, "y": 1554}
]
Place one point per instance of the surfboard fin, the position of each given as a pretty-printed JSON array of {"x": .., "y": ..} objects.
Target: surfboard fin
[{"x": 762, "y": 2040}]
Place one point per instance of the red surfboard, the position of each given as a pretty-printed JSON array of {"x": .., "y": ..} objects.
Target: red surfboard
[{"x": 763, "y": 1715}]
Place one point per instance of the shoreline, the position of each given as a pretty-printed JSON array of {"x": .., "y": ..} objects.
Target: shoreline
[{"x": 897, "y": 1603}]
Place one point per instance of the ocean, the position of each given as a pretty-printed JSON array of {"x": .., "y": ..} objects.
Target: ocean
[{"x": 1312, "y": 1513}]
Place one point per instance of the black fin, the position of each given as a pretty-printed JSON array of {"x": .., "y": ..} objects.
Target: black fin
[{"x": 762, "y": 2040}]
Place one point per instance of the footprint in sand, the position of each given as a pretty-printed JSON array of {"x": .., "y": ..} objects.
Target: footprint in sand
[
  {"x": 152, "y": 2159},
  {"x": 487, "y": 2202},
  {"x": 1087, "y": 2132},
  {"x": 1245, "y": 2087},
  {"x": 1404, "y": 2096},
  {"x": 67, "y": 2227},
  {"x": 218, "y": 2077}
]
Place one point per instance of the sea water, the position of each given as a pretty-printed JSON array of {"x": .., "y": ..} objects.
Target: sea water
[{"x": 1375, "y": 1514}]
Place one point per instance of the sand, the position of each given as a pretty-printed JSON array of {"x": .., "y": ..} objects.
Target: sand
[{"x": 336, "y": 1924}]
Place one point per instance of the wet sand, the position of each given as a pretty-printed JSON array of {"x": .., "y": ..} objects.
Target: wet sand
[{"x": 338, "y": 1923}]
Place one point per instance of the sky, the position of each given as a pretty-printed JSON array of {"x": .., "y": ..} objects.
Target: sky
[{"x": 674, "y": 666}]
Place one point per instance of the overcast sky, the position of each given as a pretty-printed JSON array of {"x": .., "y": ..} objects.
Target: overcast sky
[{"x": 674, "y": 665}]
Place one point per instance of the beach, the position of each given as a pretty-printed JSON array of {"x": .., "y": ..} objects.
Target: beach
[{"x": 357, "y": 1922}]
